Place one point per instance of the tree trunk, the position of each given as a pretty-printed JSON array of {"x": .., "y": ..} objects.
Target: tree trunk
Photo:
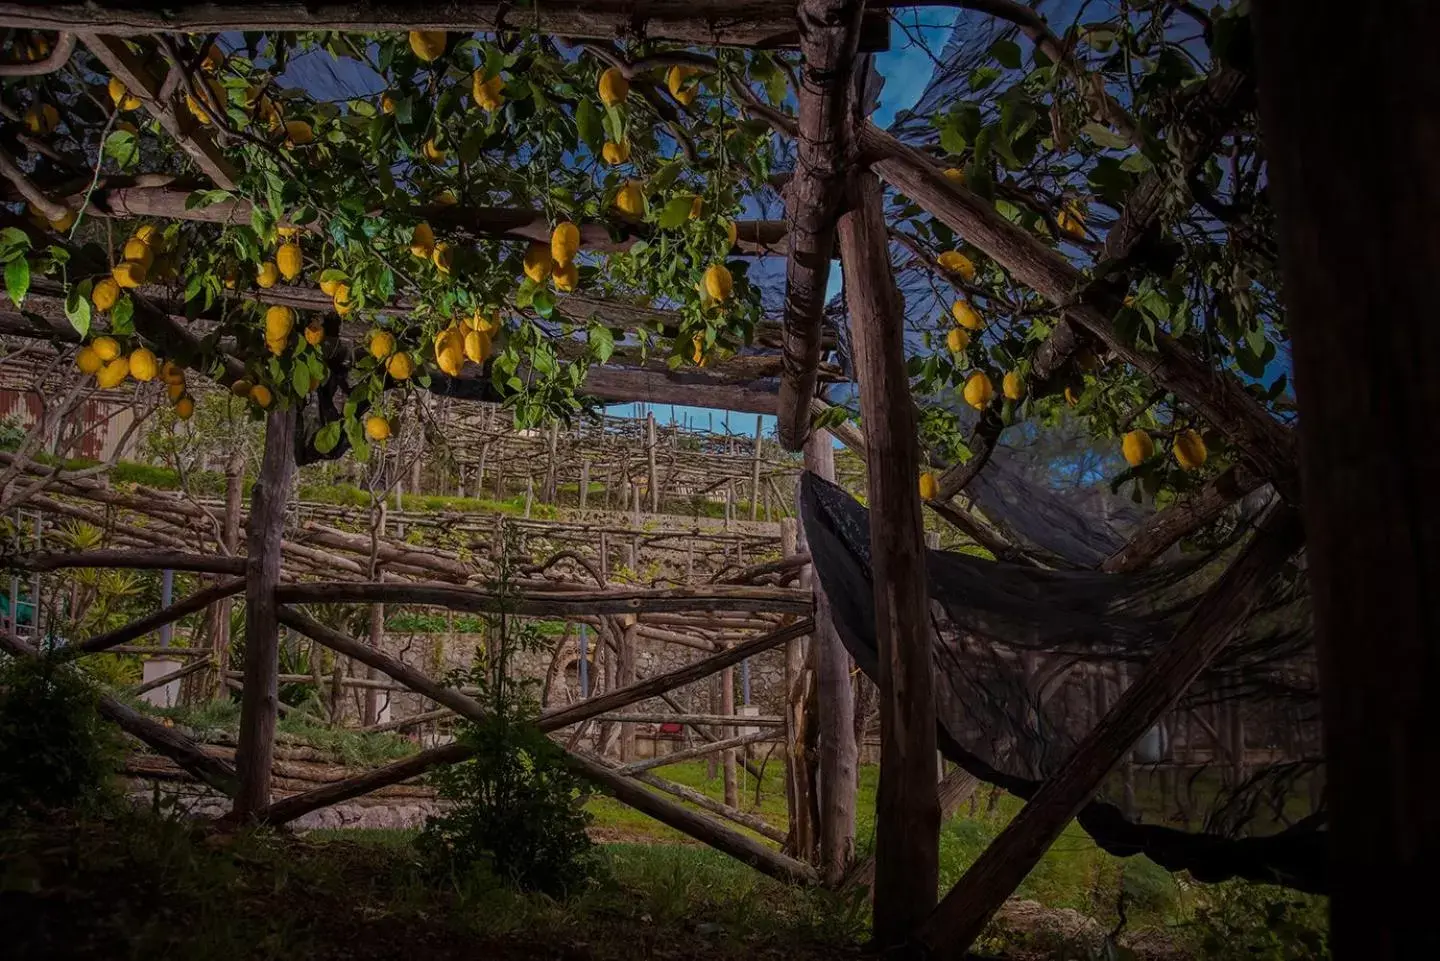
[
  {"x": 907, "y": 811},
  {"x": 1360, "y": 254},
  {"x": 260, "y": 698}
]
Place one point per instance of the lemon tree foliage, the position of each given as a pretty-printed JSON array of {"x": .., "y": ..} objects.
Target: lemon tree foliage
[
  {"x": 379, "y": 200},
  {"x": 1022, "y": 131}
]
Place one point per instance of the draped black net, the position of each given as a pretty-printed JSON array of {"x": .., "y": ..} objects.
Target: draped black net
[{"x": 1027, "y": 658}]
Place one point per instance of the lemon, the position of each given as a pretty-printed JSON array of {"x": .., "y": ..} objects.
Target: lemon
[
  {"x": 105, "y": 294},
  {"x": 279, "y": 321},
  {"x": 450, "y": 351},
  {"x": 139, "y": 251},
  {"x": 979, "y": 390},
  {"x": 537, "y": 262},
  {"x": 477, "y": 346},
  {"x": 957, "y": 339},
  {"x": 143, "y": 365},
  {"x": 1013, "y": 386},
  {"x": 290, "y": 261},
  {"x": 241, "y": 388},
  {"x": 566, "y": 277},
  {"x": 433, "y": 152},
  {"x": 64, "y": 223},
  {"x": 443, "y": 257},
  {"x": 88, "y": 361},
  {"x": 114, "y": 372},
  {"x": 268, "y": 274},
  {"x": 400, "y": 366},
  {"x": 185, "y": 407},
  {"x": 298, "y": 133},
  {"x": 422, "y": 241},
  {"x": 929, "y": 486},
  {"x": 967, "y": 316},
  {"x": 341, "y": 299},
  {"x": 147, "y": 232},
  {"x": 106, "y": 348},
  {"x": 382, "y": 344},
  {"x": 377, "y": 428},
  {"x": 718, "y": 284},
  {"x": 489, "y": 95},
  {"x": 327, "y": 286},
  {"x": 564, "y": 242},
  {"x": 175, "y": 391},
  {"x": 172, "y": 373},
  {"x": 1072, "y": 397},
  {"x": 129, "y": 273},
  {"x": 957, "y": 263},
  {"x": 955, "y": 175},
  {"x": 697, "y": 207},
  {"x": 1190, "y": 450},
  {"x": 677, "y": 81},
  {"x": 630, "y": 201},
  {"x": 427, "y": 44},
  {"x": 1137, "y": 447},
  {"x": 315, "y": 333},
  {"x": 260, "y": 396},
  {"x": 614, "y": 153},
  {"x": 614, "y": 88},
  {"x": 732, "y": 233}
]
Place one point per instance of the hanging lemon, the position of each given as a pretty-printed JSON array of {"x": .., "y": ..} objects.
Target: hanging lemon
[
  {"x": 564, "y": 242},
  {"x": 630, "y": 201},
  {"x": 129, "y": 273},
  {"x": 979, "y": 391},
  {"x": 614, "y": 153},
  {"x": 106, "y": 348},
  {"x": 422, "y": 241},
  {"x": 105, "y": 294},
  {"x": 1190, "y": 450},
  {"x": 477, "y": 346},
  {"x": 400, "y": 366},
  {"x": 677, "y": 80},
  {"x": 1013, "y": 386},
  {"x": 290, "y": 261},
  {"x": 718, "y": 283},
  {"x": 967, "y": 316},
  {"x": 566, "y": 276},
  {"x": 382, "y": 344},
  {"x": 143, "y": 365},
  {"x": 185, "y": 407},
  {"x": 537, "y": 262},
  {"x": 614, "y": 88},
  {"x": 122, "y": 98},
  {"x": 114, "y": 372},
  {"x": 489, "y": 94},
  {"x": 427, "y": 44},
  {"x": 957, "y": 339},
  {"x": 957, "y": 263},
  {"x": 377, "y": 428},
  {"x": 1137, "y": 447},
  {"x": 267, "y": 275},
  {"x": 929, "y": 486},
  {"x": 443, "y": 257},
  {"x": 88, "y": 361},
  {"x": 260, "y": 396}
]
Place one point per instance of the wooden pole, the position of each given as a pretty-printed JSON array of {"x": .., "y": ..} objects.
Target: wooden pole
[
  {"x": 835, "y": 705},
  {"x": 727, "y": 746},
  {"x": 1365, "y": 349},
  {"x": 625, "y": 676},
  {"x": 230, "y": 533},
  {"x": 798, "y": 786},
  {"x": 907, "y": 870},
  {"x": 259, "y": 700},
  {"x": 650, "y": 457},
  {"x": 962, "y": 915},
  {"x": 755, "y": 467},
  {"x": 727, "y": 757},
  {"x": 152, "y": 622}
]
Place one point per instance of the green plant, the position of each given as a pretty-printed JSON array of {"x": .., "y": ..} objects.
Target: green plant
[
  {"x": 515, "y": 813},
  {"x": 1259, "y": 922},
  {"x": 56, "y": 751}
]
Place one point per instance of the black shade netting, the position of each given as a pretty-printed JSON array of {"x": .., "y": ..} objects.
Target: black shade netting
[{"x": 1227, "y": 784}]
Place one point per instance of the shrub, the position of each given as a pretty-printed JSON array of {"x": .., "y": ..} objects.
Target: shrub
[
  {"x": 56, "y": 751},
  {"x": 1259, "y": 922}
]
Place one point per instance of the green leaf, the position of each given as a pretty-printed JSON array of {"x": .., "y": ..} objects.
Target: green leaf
[
  {"x": 1104, "y": 136},
  {"x": 13, "y": 242},
  {"x": 590, "y": 126},
  {"x": 122, "y": 147},
  {"x": 17, "y": 279},
  {"x": 201, "y": 199},
  {"x": 77, "y": 310},
  {"x": 676, "y": 212},
  {"x": 1137, "y": 163},
  {"x": 602, "y": 342},
  {"x": 1006, "y": 53},
  {"x": 982, "y": 77},
  {"x": 544, "y": 302},
  {"x": 122, "y": 316},
  {"x": 300, "y": 378},
  {"x": 327, "y": 437}
]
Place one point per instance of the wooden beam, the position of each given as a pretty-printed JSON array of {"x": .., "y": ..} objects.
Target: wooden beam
[
  {"x": 132, "y": 70},
  {"x": 907, "y": 815},
  {"x": 1218, "y": 396},
  {"x": 134, "y": 560},
  {"x": 753, "y": 23},
  {"x": 194, "y": 667},
  {"x": 259, "y": 702},
  {"x": 153, "y": 622},
  {"x": 699, "y": 750},
  {"x": 829, "y": 35},
  {"x": 1183, "y": 517},
  {"x": 716, "y": 597},
  {"x": 1365, "y": 348},
  {"x": 965, "y": 910},
  {"x": 752, "y": 821},
  {"x": 691, "y": 720}
]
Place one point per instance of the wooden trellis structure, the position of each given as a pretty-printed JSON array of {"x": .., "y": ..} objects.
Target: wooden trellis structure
[{"x": 1377, "y": 727}]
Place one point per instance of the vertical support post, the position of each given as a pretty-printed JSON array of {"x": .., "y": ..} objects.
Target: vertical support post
[
  {"x": 552, "y": 480},
  {"x": 260, "y": 701},
  {"x": 727, "y": 707},
  {"x": 584, "y": 662},
  {"x": 835, "y": 707},
  {"x": 230, "y": 534},
  {"x": 650, "y": 454},
  {"x": 167, "y": 596},
  {"x": 1369, "y": 451},
  {"x": 907, "y": 832},
  {"x": 626, "y": 677},
  {"x": 584, "y": 483},
  {"x": 798, "y": 785},
  {"x": 755, "y": 467}
]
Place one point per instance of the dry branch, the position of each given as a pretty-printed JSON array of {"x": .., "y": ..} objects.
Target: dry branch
[
  {"x": 700, "y": 750},
  {"x": 153, "y": 622}
]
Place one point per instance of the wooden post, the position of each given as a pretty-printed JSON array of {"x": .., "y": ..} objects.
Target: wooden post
[
  {"x": 650, "y": 454},
  {"x": 798, "y": 788},
  {"x": 727, "y": 707},
  {"x": 584, "y": 483},
  {"x": 1369, "y": 435},
  {"x": 963, "y": 913},
  {"x": 529, "y": 493},
  {"x": 907, "y": 830},
  {"x": 625, "y": 677},
  {"x": 234, "y": 504},
  {"x": 260, "y": 698},
  {"x": 835, "y": 707},
  {"x": 755, "y": 468},
  {"x": 552, "y": 480}
]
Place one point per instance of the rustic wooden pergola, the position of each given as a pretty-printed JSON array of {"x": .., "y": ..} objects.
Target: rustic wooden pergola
[{"x": 1377, "y": 731}]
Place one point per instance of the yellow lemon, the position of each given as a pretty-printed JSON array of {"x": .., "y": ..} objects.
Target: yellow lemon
[
  {"x": 129, "y": 273},
  {"x": 718, "y": 284},
  {"x": 105, "y": 294},
  {"x": 450, "y": 351},
  {"x": 564, "y": 242},
  {"x": 614, "y": 153},
  {"x": 697, "y": 207},
  {"x": 88, "y": 361},
  {"x": 172, "y": 373},
  {"x": 1072, "y": 396},
  {"x": 174, "y": 391},
  {"x": 268, "y": 274},
  {"x": 955, "y": 175},
  {"x": 731, "y": 232},
  {"x": 260, "y": 396},
  {"x": 241, "y": 388},
  {"x": 341, "y": 299},
  {"x": 279, "y": 321},
  {"x": 929, "y": 486},
  {"x": 382, "y": 344},
  {"x": 298, "y": 133},
  {"x": 630, "y": 201},
  {"x": 489, "y": 95},
  {"x": 149, "y": 233},
  {"x": 143, "y": 365},
  {"x": 139, "y": 251},
  {"x": 677, "y": 81},
  {"x": 1190, "y": 450},
  {"x": 433, "y": 152},
  {"x": 442, "y": 257},
  {"x": 957, "y": 263},
  {"x": 537, "y": 262},
  {"x": 315, "y": 333},
  {"x": 64, "y": 223},
  {"x": 377, "y": 428},
  {"x": 290, "y": 261},
  {"x": 566, "y": 277},
  {"x": 477, "y": 346},
  {"x": 614, "y": 88},
  {"x": 400, "y": 366},
  {"x": 957, "y": 339},
  {"x": 422, "y": 241},
  {"x": 1137, "y": 447},
  {"x": 427, "y": 44},
  {"x": 1013, "y": 386},
  {"x": 327, "y": 287},
  {"x": 185, "y": 407},
  {"x": 979, "y": 390},
  {"x": 114, "y": 372},
  {"x": 967, "y": 316},
  {"x": 106, "y": 348}
]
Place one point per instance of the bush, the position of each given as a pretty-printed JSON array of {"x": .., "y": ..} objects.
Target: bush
[
  {"x": 1259, "y": 922},
  {"x": 56, "y": 751}
]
